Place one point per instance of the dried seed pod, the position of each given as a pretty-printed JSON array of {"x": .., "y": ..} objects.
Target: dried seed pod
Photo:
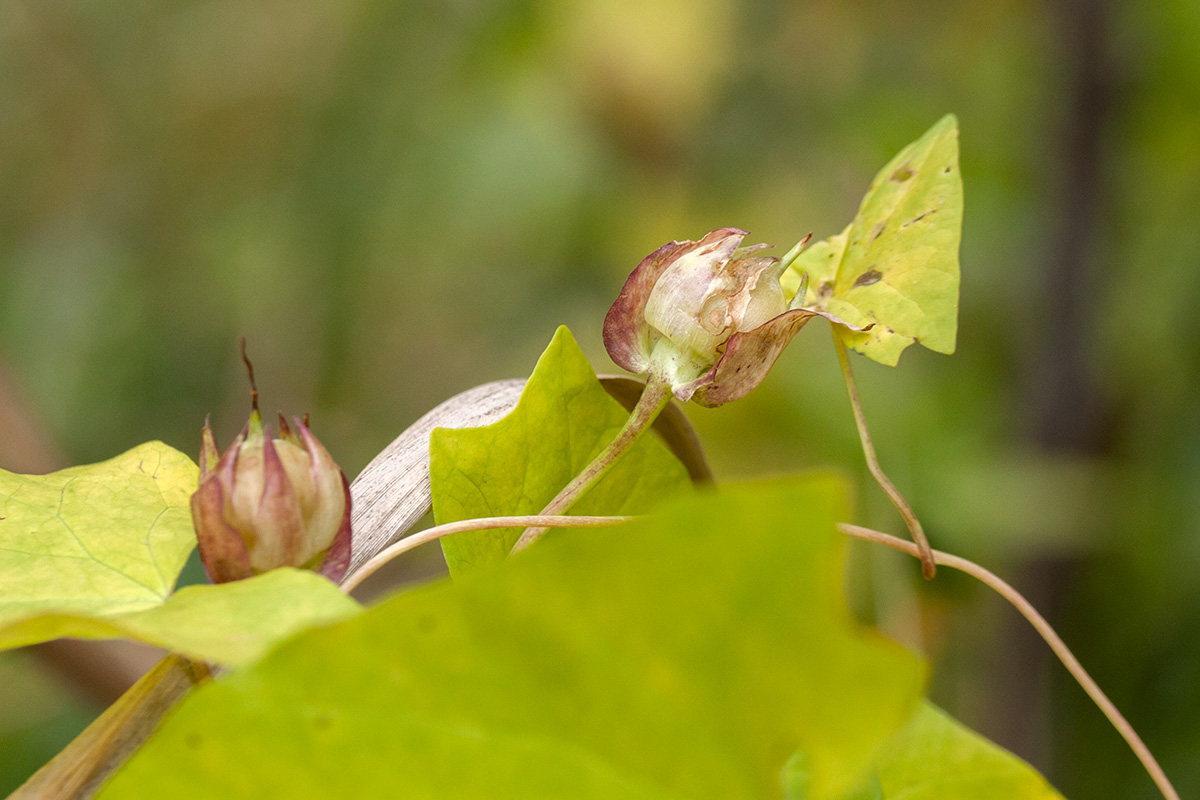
[{"x": 705, "y": 317}]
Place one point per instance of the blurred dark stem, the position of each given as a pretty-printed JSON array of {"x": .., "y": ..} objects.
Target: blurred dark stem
[
  {"x": 1064, "y": 412},
  {"x": 98, "y": 672}
]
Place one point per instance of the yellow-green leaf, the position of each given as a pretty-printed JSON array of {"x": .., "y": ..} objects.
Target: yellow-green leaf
[
  {"x": 230, "y": 624},
  {"x": 517, "y": 465},
  {"x": 896, "y": 265},
  {"x": 936, "y": 758},
  {"x": 96, "y": 539},
  {"x": 683, "y": 656},
  {"x": 93, "y": 552}
]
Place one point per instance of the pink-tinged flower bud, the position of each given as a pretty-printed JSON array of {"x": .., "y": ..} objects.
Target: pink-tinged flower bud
[
  {"x": 704, "y": 317},
  {"x": 270, "y": 503}
]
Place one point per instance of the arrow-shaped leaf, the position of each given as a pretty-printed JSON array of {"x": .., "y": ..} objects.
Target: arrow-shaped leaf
[{"x": 895, "y": 267}]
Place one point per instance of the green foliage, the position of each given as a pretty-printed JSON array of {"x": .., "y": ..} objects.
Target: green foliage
[
  {"x": 687, "y": 655},
  {"x": 97, "y": 539},
  {"x": 936, "y": 758},
  {"x": 230, "y": 624},
  {"x": 517, "y": 465},
  {"x": 94, "y": 551},
  {"x": 896, "y": 264}
]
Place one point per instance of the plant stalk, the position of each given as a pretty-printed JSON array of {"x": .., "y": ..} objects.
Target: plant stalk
[
  {"x": 82, "y": 767},
  {"x": 351, "y": 582},
  {"x": 928, "y": 564},
  {"x": 654, "y": 399},
  {"x": 1068, "y": 659}
]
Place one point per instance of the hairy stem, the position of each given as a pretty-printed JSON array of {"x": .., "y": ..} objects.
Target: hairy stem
[
  {"x": 928, "y": 564},
  {"x": 1068, "y": 659},
  {"x": 482, "y": 523},
  {"x": 654, "y": 399}
]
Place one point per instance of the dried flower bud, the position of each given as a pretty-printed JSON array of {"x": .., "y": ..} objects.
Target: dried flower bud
[
  {"x": 270, "y": 503},
  {"x": 705, "y": 318}
]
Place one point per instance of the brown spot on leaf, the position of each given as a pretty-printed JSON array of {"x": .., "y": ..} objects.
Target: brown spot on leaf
[
  {"x": 867, "y": 278},
  {"x": 902, "y": 174},
  {"x": 918, "y": 218},
  {"x": 878, "y": 230},
  {"x": 825, "y": 289}
]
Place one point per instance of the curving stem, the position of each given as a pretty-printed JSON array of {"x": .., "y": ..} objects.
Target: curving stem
[
  {"x": 654, "y": 399},
  {"x": 351, "y": 581},
  {"x": 1068, "y": 659},
  {"x": 928, "y": 564}
]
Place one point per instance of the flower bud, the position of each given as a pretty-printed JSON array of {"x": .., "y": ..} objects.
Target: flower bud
[
  {"x": 704, "y": 317},
  {"x": 268, "y": 503}
]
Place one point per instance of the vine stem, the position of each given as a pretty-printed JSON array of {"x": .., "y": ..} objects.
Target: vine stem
[
  {"x": 654, "y": 399},
  {"x": 1068, "y": 659},
  {"x": 928, "y": 563},
  {"x": 385, "y": 555}
]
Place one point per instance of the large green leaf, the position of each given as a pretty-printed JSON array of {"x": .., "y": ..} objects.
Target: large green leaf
[
  {"x": 96, "y": 539},
  {"x": 518, "y": 465},
  {"x": 936, "y": 758},
  {"x": 896, "y": 265},
  {"x": 94, "y": 551},
  {"x": 684, "y": 656}
]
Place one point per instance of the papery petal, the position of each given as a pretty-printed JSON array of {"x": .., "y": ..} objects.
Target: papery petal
[
  {"x": 695, "y": 301},
  {"x": 628, "y": 337},
  {"x": 298, "y": 466},
  {"x": 760, "y": 297},
  {"x": 748, "y": 357},
  {"x": 278, "y": 524},
  {"x": 241, "y": 475},
  {"x": 327, "y": 479},
  {"x": 222, "y": 550},
  {"x": 226, "y": 468},
  {"x": 337, "y": 560}
]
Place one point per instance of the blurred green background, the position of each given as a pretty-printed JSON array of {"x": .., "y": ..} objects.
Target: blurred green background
[{"x": 395, "y": 201}]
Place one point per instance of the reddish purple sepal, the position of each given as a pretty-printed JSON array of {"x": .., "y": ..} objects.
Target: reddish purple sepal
[
  {"x": 222, "y": 550},
  {"x": 337, "y": 560},
  {"x": 748, "y": 357}
]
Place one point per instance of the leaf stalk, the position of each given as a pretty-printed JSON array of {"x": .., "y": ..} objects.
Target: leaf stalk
[
  {"x": 352, "y": 581},
  {"x": 654, "y": 399},
  {"x": 928, "y": 563}
]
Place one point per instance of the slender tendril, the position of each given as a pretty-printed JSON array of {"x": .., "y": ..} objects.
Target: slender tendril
[
  {"x": 928, "y": 564},
  {"x": 1068, "y": 659},
  {"x": 385, "y": 555},
  {"x": 654, "y": 399}
]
